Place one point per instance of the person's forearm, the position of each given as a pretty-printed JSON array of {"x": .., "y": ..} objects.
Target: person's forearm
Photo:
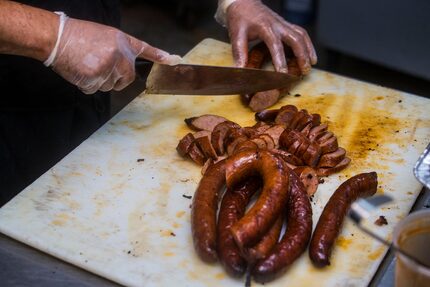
[{"x": 27, "y": 31}]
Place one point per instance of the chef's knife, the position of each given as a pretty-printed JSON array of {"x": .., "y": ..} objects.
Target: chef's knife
[{"x": 187, "y": 79}]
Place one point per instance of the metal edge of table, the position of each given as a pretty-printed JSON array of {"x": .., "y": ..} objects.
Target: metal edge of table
[{"x": 384, "y": 276}]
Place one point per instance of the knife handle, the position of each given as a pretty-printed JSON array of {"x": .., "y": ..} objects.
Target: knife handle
[{"x": 143, "y": 67}]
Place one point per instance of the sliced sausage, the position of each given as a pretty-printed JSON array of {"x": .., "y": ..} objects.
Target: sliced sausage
[
  {"x": 288, "y": 157},
  {"x": 185, "y": 144},
  {"x": 204, "y": 122},
  {"x": 333, "y": 158},
  {"x": 196, "y": 154},
  {"x": 309, "y": 179},
  {"x": 266, "y": 115},
  {"x": 304, "y": 121},
  {"x": 316, "y": 120},
  {"x": 270, "y": 143},
  {"x": 263, "y": 100},
  {"x": 324, "y": 137},
  {"x": 299, "y": 116},
  {"x": 305, "y": 131},
  {"x": 286, "y": 115},
  {"x": 246, "y": 145},
  {"x": 232, "y": 146},
  {"x": 275, "y": 132},
  {"x": 219, "y": 133},
  {"x": 326, "y": 171},
  {"x": 317, "y": 130},
  {"x": 206, "y": 147},
  {"x": 329, "y": 145},
  {"x": 312, "y": 154},
  {"x": 200, "y": 134}
]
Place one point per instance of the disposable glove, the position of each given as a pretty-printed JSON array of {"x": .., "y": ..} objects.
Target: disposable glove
[
  {"x": 98, "y": 57},
  {"x": 249, "y": 20}
]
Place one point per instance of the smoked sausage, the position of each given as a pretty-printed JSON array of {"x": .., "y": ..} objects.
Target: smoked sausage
[
  {"x": 204, "y": 210},
  {"x": 331, "y": 219},
  {"x": 263, "y": 214},
  {"x": 296, "y": 236},
  {"x": 232, "y": 208}
]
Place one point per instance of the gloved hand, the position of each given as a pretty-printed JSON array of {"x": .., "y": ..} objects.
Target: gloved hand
[
  {"x": 98, "y": 57},
  {"x": 249, "y": 20}
]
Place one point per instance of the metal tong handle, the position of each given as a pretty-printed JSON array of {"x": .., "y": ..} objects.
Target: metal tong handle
[{"x": 362, "y": 208}]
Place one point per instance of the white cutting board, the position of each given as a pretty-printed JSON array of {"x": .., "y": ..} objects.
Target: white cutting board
[{"x": 101, "y": 209}]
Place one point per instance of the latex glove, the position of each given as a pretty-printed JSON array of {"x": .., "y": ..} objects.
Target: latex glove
[
  {"x": 249, "y": 20},
  {"x": 98, "y": 57}
]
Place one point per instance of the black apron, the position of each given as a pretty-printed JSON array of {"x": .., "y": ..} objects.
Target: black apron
[{"x": 42, "y": 116}]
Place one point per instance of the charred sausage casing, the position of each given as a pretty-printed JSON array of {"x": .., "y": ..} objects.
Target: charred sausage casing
[
  {"x": 296, "y": 236},
  {"x": 263, "y": 214},
  {"x": 204, "y": 209},
  {"x": 232, "y": 208},
  {"x": 331, "y": 219}
]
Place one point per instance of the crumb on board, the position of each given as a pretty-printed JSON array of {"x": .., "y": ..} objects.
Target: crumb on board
[
  {"x": 381, "y": 221},
  {"x": 297, "y": 95},
  {"x": 140, "y": 159}
]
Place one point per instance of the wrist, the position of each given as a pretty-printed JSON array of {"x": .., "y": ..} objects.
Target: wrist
[
  {"x": 45, "y": 43},
  {"x": 27, "y": 31},
  {"x": 53, "y": 51}
]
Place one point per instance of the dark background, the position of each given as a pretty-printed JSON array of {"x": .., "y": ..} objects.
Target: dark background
[{"x": 382, "y": 42}]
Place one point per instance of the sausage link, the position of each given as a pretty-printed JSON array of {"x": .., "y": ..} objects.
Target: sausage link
[
  {"x": 263, "y": 214},
  {"x": 266, "y": 244},
  {"x": 331, "y": 219},
  {"x": 256, "y": 57},
  {"x": 232, "y": 208},
  {"x": 296, "y": 236},
  {"x": 204, "y": 209}
]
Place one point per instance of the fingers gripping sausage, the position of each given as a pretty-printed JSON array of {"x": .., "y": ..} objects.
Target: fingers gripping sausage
[
  {"x": 232, "y": 208},
  {"x": 204, "y": 209},
  {"x": 296, "y": 236},
  {"x": 263, "y": 214},
  {"x": 329, "y": 224}
]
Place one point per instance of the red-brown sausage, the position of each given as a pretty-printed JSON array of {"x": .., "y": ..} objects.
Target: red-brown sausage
[
  {"x": 330, "y": 221},
  {"x": 256, "y": 57},
  {"x": 232, "y": 208},
  {"x": 266, "y": 244},
  {"x": 296, "y": 236},
  {"x": 204, "y": 209},
  {"x": 266, "y": 115},
  {"x": 262, "y": 100},
  {"x": 263, "y": 214},
  {"x": 309, "y": 178}
]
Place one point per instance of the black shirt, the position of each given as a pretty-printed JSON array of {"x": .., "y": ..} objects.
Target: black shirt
[{"x": 42, "y": 116}]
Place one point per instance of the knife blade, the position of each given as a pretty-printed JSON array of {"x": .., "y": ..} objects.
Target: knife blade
[{"x": 188, "y": 79}]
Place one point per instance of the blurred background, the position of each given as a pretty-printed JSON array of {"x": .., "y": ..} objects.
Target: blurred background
[{"x": 382, "y": 42}]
